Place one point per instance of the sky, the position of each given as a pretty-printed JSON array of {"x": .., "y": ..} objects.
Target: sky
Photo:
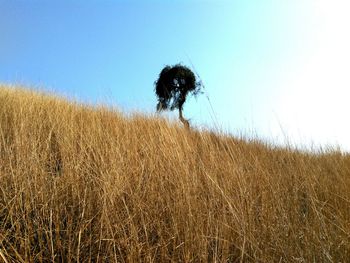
[{"x": 277, "y": 70}]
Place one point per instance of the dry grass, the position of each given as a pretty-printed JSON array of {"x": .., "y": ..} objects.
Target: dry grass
[{"x": 83, "y": 184}]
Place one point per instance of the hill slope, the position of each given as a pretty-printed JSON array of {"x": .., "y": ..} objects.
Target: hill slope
[{"x": 89, "y": 184}]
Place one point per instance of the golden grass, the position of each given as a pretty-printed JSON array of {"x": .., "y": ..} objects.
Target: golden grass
[{"x": 84, "y": 184}]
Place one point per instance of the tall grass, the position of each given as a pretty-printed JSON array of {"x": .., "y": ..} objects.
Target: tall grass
[{"x": 84, "y": 184}]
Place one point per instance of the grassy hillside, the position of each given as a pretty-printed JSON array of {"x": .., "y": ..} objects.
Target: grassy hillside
[{"x": 83, "y": 184}]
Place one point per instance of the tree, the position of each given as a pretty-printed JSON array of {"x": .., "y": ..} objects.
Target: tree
[{"x": 173, "y": 86}]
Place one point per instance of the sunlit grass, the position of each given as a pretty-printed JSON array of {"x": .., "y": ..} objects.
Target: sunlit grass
[{"x": 84, "y": 184}]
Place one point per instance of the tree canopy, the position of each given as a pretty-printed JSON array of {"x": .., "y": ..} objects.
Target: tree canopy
[{"x": 173, "y": 86}]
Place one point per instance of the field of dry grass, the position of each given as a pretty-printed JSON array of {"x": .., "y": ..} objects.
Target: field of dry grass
[{"x": 84, "y": 184}]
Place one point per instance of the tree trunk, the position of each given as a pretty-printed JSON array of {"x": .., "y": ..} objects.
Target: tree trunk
[{"x": 185, "y": 122}]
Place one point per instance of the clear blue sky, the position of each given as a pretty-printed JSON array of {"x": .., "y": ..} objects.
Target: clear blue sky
[{"x": 279, "y": 68}]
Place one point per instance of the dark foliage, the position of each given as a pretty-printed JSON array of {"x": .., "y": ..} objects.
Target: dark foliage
[{"x": 173, "y": 85}]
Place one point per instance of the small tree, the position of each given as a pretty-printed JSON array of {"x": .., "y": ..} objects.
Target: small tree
[{"x": 172, "y": 87}]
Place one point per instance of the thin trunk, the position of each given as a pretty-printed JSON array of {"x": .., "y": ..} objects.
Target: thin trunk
[{"x": 185, "y": 122}]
